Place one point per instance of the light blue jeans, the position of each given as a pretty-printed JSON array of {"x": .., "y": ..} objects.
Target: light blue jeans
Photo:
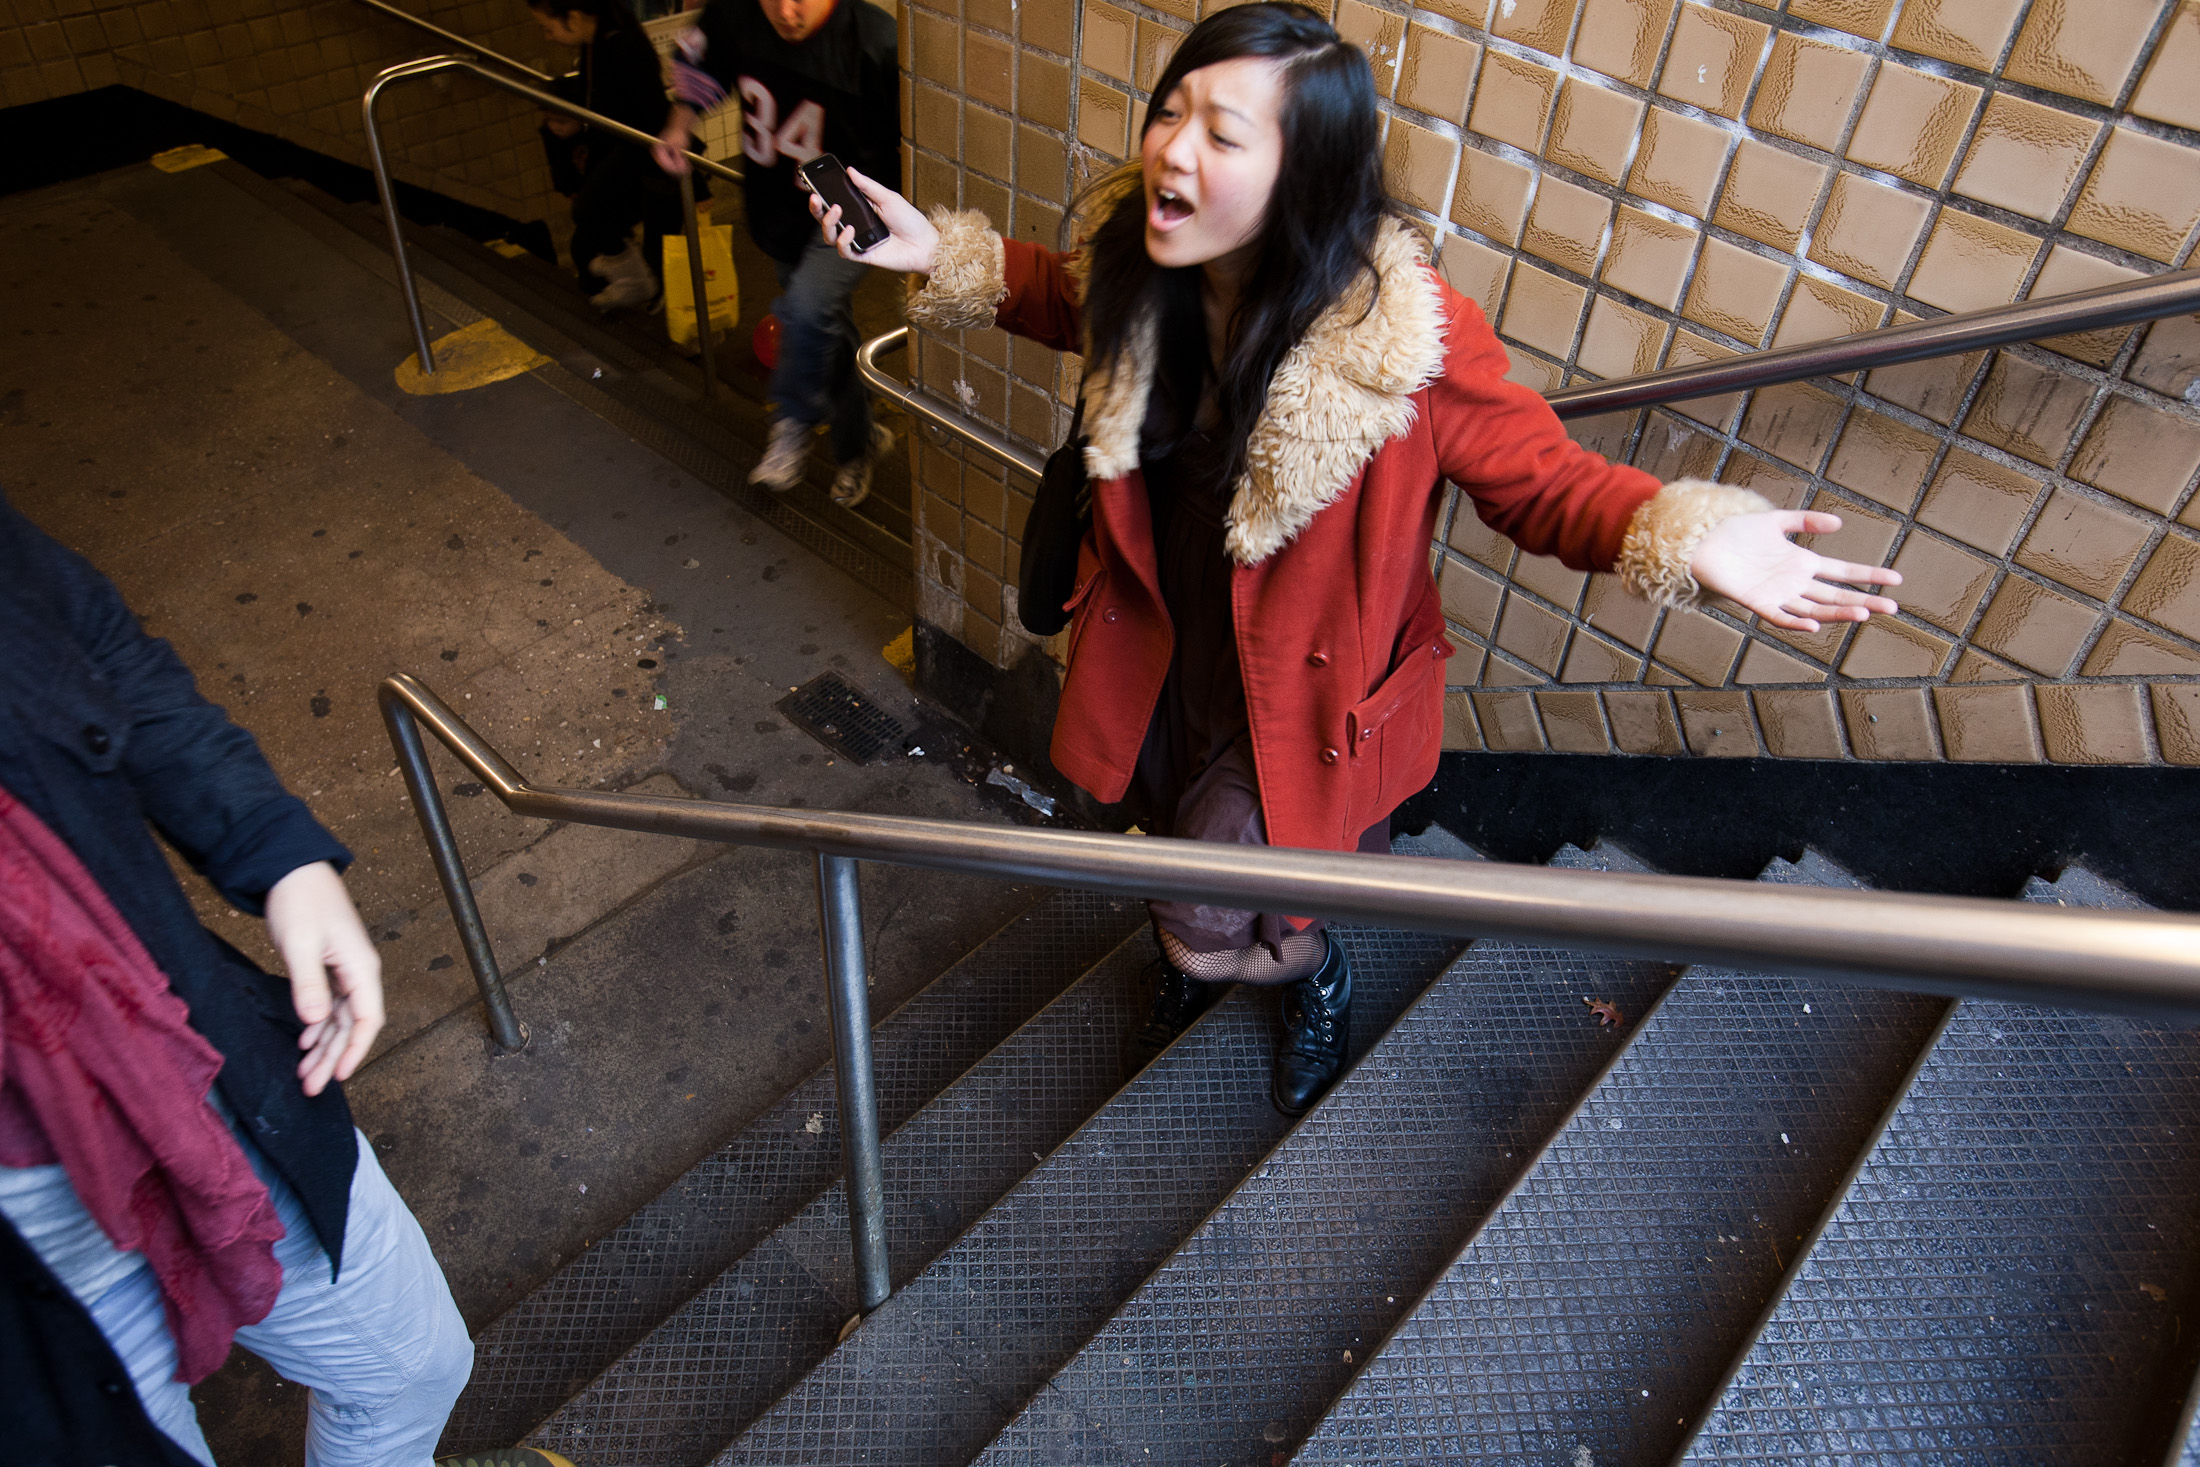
[{"x": 382, "y": 1348}]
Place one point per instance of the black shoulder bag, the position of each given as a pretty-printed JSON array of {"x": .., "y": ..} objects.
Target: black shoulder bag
[{"x": 1061, "y": 512}]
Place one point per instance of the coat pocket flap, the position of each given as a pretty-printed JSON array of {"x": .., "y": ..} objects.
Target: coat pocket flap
[{"x": 1422, "y": 648}]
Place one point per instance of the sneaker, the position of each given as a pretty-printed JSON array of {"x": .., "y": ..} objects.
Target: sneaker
[
  {"x": 852, "y": 480},
  {"x": 780, "y": 469},
  {"x": 506, "y": 1457},
  {"x": 1176, "y": 1000},
  {"x": 630, "y": 282}
]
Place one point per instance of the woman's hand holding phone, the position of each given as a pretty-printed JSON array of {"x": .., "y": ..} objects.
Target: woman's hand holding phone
[{"x": 911, "y": 244}]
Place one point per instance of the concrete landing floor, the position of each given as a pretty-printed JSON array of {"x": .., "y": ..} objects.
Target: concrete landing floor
[{"x": 201, "y": 400}]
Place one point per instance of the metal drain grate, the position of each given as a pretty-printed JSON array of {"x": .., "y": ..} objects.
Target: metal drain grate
[{"x": 842, "y": 719}]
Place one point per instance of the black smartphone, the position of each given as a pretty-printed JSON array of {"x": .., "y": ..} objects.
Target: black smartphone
[{"x": 829, "y": 181}]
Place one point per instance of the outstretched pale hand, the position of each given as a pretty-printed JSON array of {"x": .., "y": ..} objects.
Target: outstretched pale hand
[
  {"x": 913, "y": 244},
  {"x": 1750, "y": 559},
  {"x": 335, "y": 973}
]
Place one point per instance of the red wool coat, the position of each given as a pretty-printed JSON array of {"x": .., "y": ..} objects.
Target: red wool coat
[{"x": 1339, "y": 629}]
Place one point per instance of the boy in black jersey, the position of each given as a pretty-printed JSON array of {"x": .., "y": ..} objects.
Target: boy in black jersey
[{"x": 812, "y": 76}]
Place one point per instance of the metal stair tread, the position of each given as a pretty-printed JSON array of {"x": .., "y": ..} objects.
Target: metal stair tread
[
  {"x": 2024, "y": 1224},
  {"x": 1598, "y": 1304},
  {"x": 552, "y": 1343},
  {"x": 933, "y": 1374},
  {"x": 1246, "y": 1333}
]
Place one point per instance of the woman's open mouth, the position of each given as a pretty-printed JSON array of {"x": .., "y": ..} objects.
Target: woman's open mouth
[{"x": 1169, "y": 210}]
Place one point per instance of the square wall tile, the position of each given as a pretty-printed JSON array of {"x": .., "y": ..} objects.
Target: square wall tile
[
  {"x": 1819, "y": 310},
  {"x": 1932, "y": 388},
  {"x": 1103, "y": 118},
  {"x": 1799, "y": 725},
  {"x": 1380, "y": 34},
  {"x": 1620, "y": 341},
  {"x": 2143, "y": 455},
  {"x": 1044, "y": 90},
  {"x": 1971, "y": 263},
  {"x": 1889, "y": 723},
  {"x": 1868, "y": 230},
  {"x": 1567, "y": 225},
  {"x": 1941, "y": 582},
  {"x": 1643, "y": 723},
  {"x": 1508, "y": 721},
  {"x": 2035, "y": 627},
  {"x": 1866, "y": 18},
  {"x": 1049, "y": 24},
  {"x": 2125, "y": 651},
  {"x": 1717, "y": 725},
  {"x": 1478, "y": 542},
  {"x": 1533, "y": 634},
  {"x": 1156, "y": 44},
  {"x": 1808, "y": 91},
  {"x": 1988, "y": 725},
  {"x": 1622, "y": 38},
  {"x": 1762, "y": 663},
  {"x": 1794, "y": 421},
  {"x": 1770, "y": 194},
  {"x": 1541, "y": 24},
  {"x": 2084, "y": 544},
  {"x": 2167, "y": 592},
  {"x": 1713, "y": 412},
  {"x": 1967, "y": 32},
  {"x": 1862, "y": 538},
  {"x": 2025, "y": 157},
  {"x": 2094, "y": 725},
  {"x": 2169, "y": 359},
  {"x": 1784, "y": 489},
  {"x": 1883, "y": 459},
  {"x": 1111, "y": 40},
  {"x": 1474, "y": 270},
  {"x": 1574, "y": 723},
  {"x": 1042, "y": 165},
  {"x": 1470, "y": 598},
  {"x": 1549, "y": 577},
  {"x": 2143, "y": 194},
  {"x": 1594, "y": 130},
  {"x": 1712, "y": 59},
  {"x": 1912, "y": 123},
  {"x": 1469, "y": 13},
  {"x": 1513, "y": 101},
  {"x": 1460, "y": 732},
  {"x": 1417, "y": 163},
  {"x": 2081, "y": 48},
  {"x": 1978, "y": 501},
  {"x": 988, "y": 71},
  {"x": 1669, "y": 449},
  {"x": 2066, "y": 272},
  {"x": 1542, "y": 311},
  {"x": 1618, "y": 612},
  {"x": 1735, "y": 291},
  {"x": 1678, "y": 162},
  {"x": 2177, "y": 721},
  {"x": 1886, "y": 648},
  {"x": 1649, "y": 257},
  {"x": 1492, "y": 195},
  {"x": 1594, "y": 660},
  {"x": 1607, "y": 435},
  {"x": 2029, "y": 410},
  {"x": 1700, "y": 646},
  {"x": 1438, "y": 73},
  {"x": 2166, "y": 93}
]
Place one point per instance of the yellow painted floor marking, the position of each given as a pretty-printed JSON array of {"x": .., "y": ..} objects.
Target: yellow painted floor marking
[
  {"x": 472, "y": 356},
  {"x": 901, "y": 653},
  {"x": 507, "y": 249},
  {"x": 190, "y": 155}
]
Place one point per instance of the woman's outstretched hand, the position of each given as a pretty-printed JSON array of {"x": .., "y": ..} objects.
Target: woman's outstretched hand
[
  {"x": 911, "y": 246},
  {"x": 1750, "y": 559}
]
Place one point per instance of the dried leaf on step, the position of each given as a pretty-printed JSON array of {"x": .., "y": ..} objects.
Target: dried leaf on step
[{"x": 1607, "y": 1012}]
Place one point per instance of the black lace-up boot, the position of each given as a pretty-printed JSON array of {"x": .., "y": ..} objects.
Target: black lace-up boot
[
  {"x": 1317, "y": 1028},
  {"x": 1176, "y": 1000}
]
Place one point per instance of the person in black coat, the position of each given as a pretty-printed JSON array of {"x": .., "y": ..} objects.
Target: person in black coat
[
  {"x": 612, "y": 182},
  {"x": 105, "y": 739}
]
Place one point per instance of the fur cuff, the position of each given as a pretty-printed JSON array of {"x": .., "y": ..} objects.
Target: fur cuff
[
  {"x": 969, "y": 275},
  {"x": 1664, "y": 534}
]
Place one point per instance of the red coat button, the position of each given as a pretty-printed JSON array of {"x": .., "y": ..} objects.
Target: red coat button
[
  {"x": 1110, "y": 614},
  {"x": 1318, "y": 659},
  {"x": 1329, "y": 756}
]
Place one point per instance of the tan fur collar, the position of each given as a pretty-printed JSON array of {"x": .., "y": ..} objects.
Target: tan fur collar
[{"x": 1341, "y": 393}]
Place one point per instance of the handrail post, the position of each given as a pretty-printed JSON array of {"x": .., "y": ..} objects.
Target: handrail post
[
  {"x": 388, "y": 190},
  {"x": 847, "y": 984},
  {"x": 696, "y": 283},
  {"x": 435, "y": 824}
]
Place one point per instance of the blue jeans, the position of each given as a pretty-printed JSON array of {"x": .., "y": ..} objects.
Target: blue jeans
[
  {"x": 816, "y": 379},
  {"x": 382, "y": 1348}
]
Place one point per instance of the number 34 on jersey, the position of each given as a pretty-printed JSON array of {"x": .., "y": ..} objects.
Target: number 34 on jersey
[{"x": 765, "y": 139}]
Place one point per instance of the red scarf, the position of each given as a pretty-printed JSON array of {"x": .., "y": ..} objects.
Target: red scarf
[{"x": 100, "y": 1070}]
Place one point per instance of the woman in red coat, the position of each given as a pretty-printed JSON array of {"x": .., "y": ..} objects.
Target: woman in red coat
[{"x": 1276, "y": 387}]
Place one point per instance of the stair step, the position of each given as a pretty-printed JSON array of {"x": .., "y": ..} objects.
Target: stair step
[
  {"x": 1241, "y": 1339},
  {"x": 950, "y": 1358},
  {"x": 609, "y": 1298},
  {"x": 2008, "y": 1276},
  {"x": 1595, "y": 1309}
]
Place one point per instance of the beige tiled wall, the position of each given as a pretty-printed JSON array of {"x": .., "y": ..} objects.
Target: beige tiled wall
[
  {"x": 297, "y": 70},
  {"x": 1626, "y": 184}
]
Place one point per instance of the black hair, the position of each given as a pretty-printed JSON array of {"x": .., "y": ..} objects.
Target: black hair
[
  {"x": 1316, "y": 238},
  {"x": 601, "y": 10}
]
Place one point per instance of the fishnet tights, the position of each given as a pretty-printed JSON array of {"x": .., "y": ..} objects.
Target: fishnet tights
[{"x": 1303, "y": 955}]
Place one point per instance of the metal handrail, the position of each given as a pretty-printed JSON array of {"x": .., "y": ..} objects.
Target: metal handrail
[
  {"x": 2145, "y": 962},
  {"x": 429, "y": 66},
  {"x": 458, "y": 40},
  {"x": 2089, "y": 310},
  {"x": 918, "y": 406}
]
